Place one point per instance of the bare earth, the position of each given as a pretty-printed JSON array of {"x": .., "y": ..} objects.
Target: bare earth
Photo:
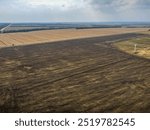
[
  {"x": 35, "y": 37},
  {"x": 84, "y": 75}
]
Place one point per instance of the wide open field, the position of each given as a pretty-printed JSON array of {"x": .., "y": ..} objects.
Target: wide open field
[
  {"x": 86, "y": 75},
  {"x": 24, "y": 38}
]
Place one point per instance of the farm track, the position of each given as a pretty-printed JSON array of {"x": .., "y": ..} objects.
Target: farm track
[{"x": 84, "y": 75}]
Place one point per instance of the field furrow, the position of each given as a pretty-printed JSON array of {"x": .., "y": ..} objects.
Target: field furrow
[{"x": 84, "y": 75}]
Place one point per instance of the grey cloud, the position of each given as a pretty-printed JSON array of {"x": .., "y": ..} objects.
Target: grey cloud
[
  {"x": 91, "y": 10},
  {"x": 123, "y": 9},
  {"x": 120, "y": 3}
]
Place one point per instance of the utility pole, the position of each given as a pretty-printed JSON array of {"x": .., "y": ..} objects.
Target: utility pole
[{"x": 135, "y": 48}]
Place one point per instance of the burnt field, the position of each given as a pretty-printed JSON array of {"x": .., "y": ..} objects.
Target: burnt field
[{"x": 85, "y": 75}]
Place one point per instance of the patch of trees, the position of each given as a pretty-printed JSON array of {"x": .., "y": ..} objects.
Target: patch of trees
[{"x": 28, "y": 30}]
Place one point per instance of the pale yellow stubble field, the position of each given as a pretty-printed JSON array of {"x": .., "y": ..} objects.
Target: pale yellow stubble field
[{"x": 34, "y": 37}]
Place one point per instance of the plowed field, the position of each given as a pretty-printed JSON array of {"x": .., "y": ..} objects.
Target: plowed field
[{"x": 84, "y": 75}]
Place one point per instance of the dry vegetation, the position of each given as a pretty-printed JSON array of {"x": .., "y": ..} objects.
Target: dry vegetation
[
  {"x": 142, "y": 47},
  {"x": 35, "y": 37},
  {"x": 86, "y": 75}
]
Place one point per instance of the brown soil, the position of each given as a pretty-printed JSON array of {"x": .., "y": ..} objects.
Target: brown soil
[{"x": 86, "y": 75}]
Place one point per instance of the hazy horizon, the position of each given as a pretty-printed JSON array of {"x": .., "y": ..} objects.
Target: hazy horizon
[
  {"x": 59, "y": 11},
  {"x": 55, "y": 22}
]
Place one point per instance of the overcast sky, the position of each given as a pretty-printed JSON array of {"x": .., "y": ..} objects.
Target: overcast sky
[{"x": 74, "y": 10}]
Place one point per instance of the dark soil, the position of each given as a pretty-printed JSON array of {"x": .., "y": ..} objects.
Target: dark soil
[{"x": 85, "y": 75}]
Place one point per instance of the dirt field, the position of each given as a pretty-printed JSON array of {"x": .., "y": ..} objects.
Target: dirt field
[
  {"x": 35, "y": 37},
  {"x": 86, "y": 75}
]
